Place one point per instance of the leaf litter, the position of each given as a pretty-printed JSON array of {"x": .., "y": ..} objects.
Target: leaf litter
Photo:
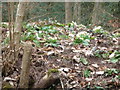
[{"x": 81, "y": 54}]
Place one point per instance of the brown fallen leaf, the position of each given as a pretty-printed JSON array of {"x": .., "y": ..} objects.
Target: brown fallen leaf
[{"x": 91, "y": 68}]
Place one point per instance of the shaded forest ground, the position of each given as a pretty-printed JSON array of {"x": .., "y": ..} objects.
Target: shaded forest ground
[{"x": 84, "y": 56}]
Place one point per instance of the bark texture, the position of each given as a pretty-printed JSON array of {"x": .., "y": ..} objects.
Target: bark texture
[
  {"x": 24, "y": 77},
  {"x": 18, "y": 26},
  {"x": 11, "y": 28},
  {"x": 77, "y": 12},
  {"x": 96, "y": 12},
  {"x": 1, "y": 65},
  {"x": 68, "y": 12}
]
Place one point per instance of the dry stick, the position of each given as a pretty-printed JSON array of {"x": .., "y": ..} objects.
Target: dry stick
[
  {"x": 62, "y": 85},
  {"x": 24, "y": 77}
]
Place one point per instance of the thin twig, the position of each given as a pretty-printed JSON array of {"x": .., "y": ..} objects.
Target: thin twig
[
  {"x": 62, "y": 84},
  {"x": 104, "y": 11}
]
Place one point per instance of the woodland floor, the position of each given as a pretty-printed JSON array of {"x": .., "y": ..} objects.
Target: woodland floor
[{"x": 79, "y": 65}]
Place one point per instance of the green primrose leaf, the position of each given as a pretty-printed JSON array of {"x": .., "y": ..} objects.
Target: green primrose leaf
[
  {"x": 84, "y": 61},
  {"x": 87, "y": 73}
]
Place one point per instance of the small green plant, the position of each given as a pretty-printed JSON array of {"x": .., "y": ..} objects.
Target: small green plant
[
  {"x": 82, "y": 38},
  {"x": 84, "y": 61},
  {"x": 6, "y": 40},
  {"x": 78, "y": 41},
  {"x": 97, "y": 53},
  {"x": 116, "y": 35},
  {"x": 46, "y": 28},
  {"x": 98, "y": 29},
  {"x": 116, "y": 57},
  {"x": 99, "y": 88},
  {"x": 105, "y": 55},
  {"x": 4, "y": 25},
  {"x": 37, "y": 43},
  {"x": 52, "y": 42},
  {"x": 118, "y": 77},
  {"x": 52, "y": 31},
  {"x": 86, "y": 73},
  {"x": 29, "y": 36},
  {"x": 110, "y": 72},
  {"x": 41, "y": 35},
  {"x": 64, "y": 36},
  {"x": 59, "y": 24}
]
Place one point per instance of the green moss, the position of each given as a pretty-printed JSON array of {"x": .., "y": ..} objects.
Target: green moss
[
  {"x": 6, "y": 85},
  {"x": 52, "y": 71}
]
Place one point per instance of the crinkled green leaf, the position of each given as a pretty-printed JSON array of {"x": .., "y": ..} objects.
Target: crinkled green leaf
[{"x": 84, "y": 61}]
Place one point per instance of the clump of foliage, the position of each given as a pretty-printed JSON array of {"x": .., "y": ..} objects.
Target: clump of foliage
[
  {"x": 51, "y": 42},
  {"x": 82, "y": 38},
  {"x": 84, "y": 60},
  {"x": 115, "y": 57},
  {"x": 99, "y": 30},
  {"x": 101, "y": 54},
  {"x": 86, "y": 73},
  {"x": 110, "y": 72}
]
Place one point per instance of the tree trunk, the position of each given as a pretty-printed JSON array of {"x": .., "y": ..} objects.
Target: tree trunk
[
  {"x": 96, "y": 12},
  {"x": 68, "y": 12},
  {"x": 24, "y": 77},
  {"x": 18, "y": 26},
  {"x": 77, "y": 12},
  {"x": 11, "y": 21},
  {"x": 1, "y": 65},
  {"x": 11, "y": 28}
]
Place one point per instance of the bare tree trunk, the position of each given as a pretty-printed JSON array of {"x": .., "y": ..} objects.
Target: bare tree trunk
[
  {"x": 96, "y": 12},
  {"x": 18, "y": 26},
  {"x": 11, "y": 23},
  {"x": 1, "y": 64},
  {"x": 68, "y": 12},
  {"x": 11, "y": 28},
  {"x": 24, "y": 77},
  {"x": 77, "y": 12}
]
